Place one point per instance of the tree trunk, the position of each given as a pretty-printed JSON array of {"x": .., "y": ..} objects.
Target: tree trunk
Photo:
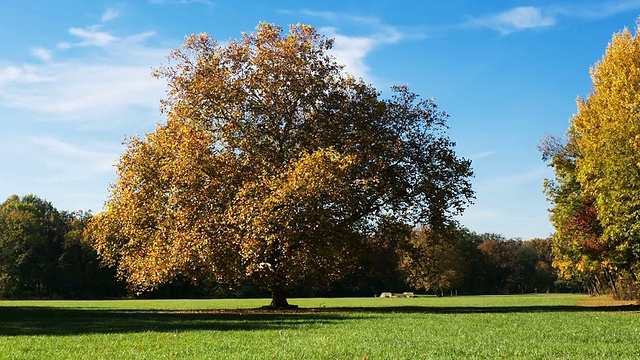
[
  {"x": 279, "y": 299},
  {"x": 612, "y": 283}
]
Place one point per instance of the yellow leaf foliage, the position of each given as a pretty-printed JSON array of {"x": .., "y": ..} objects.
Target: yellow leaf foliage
[{"x": 273, "y": 164}]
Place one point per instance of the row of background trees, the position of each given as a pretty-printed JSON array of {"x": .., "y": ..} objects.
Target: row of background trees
[{"x": 43, "y": 255}]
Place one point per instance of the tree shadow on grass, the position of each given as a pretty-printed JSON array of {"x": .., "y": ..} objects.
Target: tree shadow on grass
[
  {"x": 63, "y": 321},
  {"x": 16, "y": 321}
]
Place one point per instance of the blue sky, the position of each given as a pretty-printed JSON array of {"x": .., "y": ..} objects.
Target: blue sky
[{"x": 75, "y": 80}]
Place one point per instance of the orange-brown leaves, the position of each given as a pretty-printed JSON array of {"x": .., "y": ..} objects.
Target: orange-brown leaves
[{"x": 274, "y": 164}]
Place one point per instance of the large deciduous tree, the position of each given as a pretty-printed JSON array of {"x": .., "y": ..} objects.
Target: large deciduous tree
[
  {"x": 597, "y": 201},
  {"x": 274, "y": 164}
]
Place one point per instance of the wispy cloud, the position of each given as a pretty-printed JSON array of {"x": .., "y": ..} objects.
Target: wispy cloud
[
  {"x": 481, "y": 155},
  {"x": 597, "y": 10},
  {"x": 183, "y": 2},
  {"x": 93, "y": 35},
  {"x": 530, "y": 17},
  {"x": 352, "y": 50},
  {"x": 54, "y": 160},
  {"x": 516, "y": 19},
  {"x": 81, "y": 91},
  {"x": 65, "y": 169},
  {"x": 533, "y": 175},
  {"x": 89, "y": 37},
  {"x": 24, "y": 73},
  {"x": 71, "y": 156},
  {"x": 115, "y": 76},
  {"x": 70, "y": 99},
  {"x": 42, "y": 53},
  {"x": 108, "y": 15},
  {"x": 499, "y": 183}
]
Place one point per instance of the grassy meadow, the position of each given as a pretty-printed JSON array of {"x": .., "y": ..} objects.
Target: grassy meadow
[{"x": 543, "y": 326}]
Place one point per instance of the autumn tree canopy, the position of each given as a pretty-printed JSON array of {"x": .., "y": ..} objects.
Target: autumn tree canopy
[
  {"x": 274, "y": 164},
  {"x": 596, "y": 191}
]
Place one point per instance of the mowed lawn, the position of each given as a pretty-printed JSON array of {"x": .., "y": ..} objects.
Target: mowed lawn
[{"x": 545, "y": 326}]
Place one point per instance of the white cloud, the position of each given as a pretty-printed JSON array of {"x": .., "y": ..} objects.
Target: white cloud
[
  {"x": 481, "y": 155},
  {"x": 26, "y": 74},
  {"x": 93, "y": 35},
  {"x": 352, "y": 50},
  {"x": 89, "y": 37},
  {"x": 61, "y": 161},
  {"x": 93, "y": 88},
  {"x": 67, "y": 109},
  {"x": 84, "y": 90},
  {"x": 182, "y": 2},
  {"x": 515, "y": 19},
  {"x": 598, "y": 10},
  {"x": 109, "y": 14},
  {"x": 100, "y": 160},
  {"x": 525, "y": 18},
  {"x": 529, "y": 17},
  {"x": 42, "y": 53}
]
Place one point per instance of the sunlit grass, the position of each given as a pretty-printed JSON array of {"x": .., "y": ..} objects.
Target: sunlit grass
[
  {"x": 523, "y": 326},
  {"x": 420, "y": 300}
]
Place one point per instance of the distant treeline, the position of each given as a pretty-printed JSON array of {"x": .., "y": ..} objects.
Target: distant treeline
[{"x": 43, "y": 255}]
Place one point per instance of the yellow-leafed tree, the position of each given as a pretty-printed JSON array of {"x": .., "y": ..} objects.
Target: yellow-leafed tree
[
  {"x": 598, "y": 221},
  {"x": 275, "y": 165}
]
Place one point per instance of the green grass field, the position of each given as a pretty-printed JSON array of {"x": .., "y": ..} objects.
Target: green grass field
[{"x": 467, "y": 327}]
